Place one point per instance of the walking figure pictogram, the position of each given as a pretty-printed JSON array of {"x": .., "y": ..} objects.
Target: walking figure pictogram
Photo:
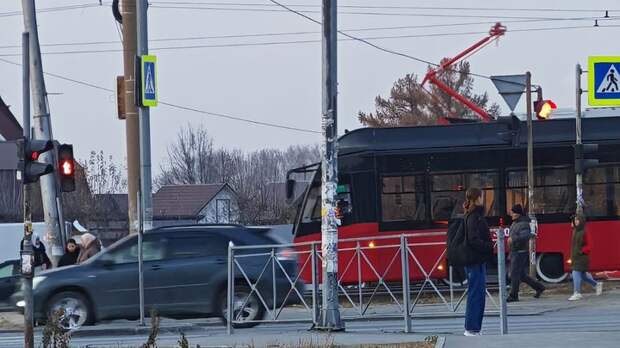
[{"x": 611, "y": 78}]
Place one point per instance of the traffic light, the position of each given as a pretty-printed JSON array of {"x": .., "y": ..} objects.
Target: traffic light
[
  {"x": 581, "y": 162},
  {"x": 31, "y": 150},
  {"x": 544, "y": 108},
  {"x": 66, "y": 168},
  {"x": 513, "y": 125}
]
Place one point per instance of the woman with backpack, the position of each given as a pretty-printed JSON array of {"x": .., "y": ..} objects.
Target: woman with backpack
[{"x": 479, "y": 250}]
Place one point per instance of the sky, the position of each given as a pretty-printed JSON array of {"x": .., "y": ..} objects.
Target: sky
[{"x": 263, "y": 79}]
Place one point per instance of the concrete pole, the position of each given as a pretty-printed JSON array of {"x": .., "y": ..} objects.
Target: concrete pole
[
  {"x": 26, "y": 248},
  {"x": 578, "y": 175},
  {"x": 132, "y": 133},
  {"x": 330, "y": 311},
  {"x": 43, "y": 131},
  {"x": 501, "y": 273},
  {"x": 146, "y": 193},
  {"x": 530, "y": 175}
]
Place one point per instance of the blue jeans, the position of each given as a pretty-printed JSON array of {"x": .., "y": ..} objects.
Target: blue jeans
[
  {"x": 476, "y": 296},
  {"x": 582, "y": 276}
]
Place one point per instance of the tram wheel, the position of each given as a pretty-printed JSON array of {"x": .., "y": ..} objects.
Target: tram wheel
[{"x": 550, "y": 267}]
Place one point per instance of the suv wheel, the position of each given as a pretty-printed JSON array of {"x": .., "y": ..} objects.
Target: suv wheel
[
  {"x": 75, "y": 307},
  {"x": 250, "y": 313}
]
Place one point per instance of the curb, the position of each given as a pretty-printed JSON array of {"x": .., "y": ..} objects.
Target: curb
[{"x": 441, "y": 341}]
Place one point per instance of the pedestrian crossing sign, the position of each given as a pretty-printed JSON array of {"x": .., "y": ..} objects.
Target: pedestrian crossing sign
[
  {"x": 148, "y": 77},
  {"x": 604, "y": 81}
]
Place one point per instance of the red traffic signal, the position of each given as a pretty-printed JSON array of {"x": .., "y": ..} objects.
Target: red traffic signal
[
  {"x": 66, "y": 168},
  {"x": 544, "y": 108}
]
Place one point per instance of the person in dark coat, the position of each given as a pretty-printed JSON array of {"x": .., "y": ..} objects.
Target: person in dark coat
[
  {"x": 480, "y": 249},
  {"x": 519, "y": 254},
  {"x": 72, "y": 251},
  {"x": 580, "y": 259},
  {"x": 40, "y": 254}
]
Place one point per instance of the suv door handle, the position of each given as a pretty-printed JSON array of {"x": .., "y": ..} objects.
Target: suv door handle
[
  {"x": 220, "y": 261},
  {"x": 155, "y": 267}
]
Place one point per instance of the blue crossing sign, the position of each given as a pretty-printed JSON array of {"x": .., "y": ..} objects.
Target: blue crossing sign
[
  {"x": 148, "y": 80},
  {"x": 604, "y": 81}
]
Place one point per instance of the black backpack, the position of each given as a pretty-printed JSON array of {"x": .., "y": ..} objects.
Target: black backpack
[{"x": 458, "y": 252}]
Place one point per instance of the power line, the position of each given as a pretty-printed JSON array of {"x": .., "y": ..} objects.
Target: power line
[
  {"x": 387, "y": 7},
  {"x": 52, "y": 9},
  {"x": 295, "y": 33},
  {"x": 309, "y": 41},
  {"x": 366, "y": 13},
  {"x": 177, "y": 106}
]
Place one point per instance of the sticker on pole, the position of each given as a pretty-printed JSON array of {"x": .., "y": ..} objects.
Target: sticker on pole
[
  {"x": 604, "y": 81},
  {"x": 148, "y": 77}
]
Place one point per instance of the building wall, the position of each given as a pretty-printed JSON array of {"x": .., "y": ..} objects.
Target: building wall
[{"x": 210, "y": 212}]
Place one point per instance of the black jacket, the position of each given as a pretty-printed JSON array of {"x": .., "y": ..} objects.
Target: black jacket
[
  {"x": 520, "y": 234},
  {"x": 69, "y": 258},
  {"x": 478, "y": 237}
]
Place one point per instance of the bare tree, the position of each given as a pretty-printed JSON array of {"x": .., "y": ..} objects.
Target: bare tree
[
  {"x": 257, "y": 177},
  {"x": 190, "y": 158}
]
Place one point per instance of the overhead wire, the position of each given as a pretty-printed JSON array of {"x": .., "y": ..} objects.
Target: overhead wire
[
  {"x": 398, "y": 7},
  {"x": 178, "y": 106},
  {"x": 52, "y": 9},
  {"x": 290, "y": 42}
]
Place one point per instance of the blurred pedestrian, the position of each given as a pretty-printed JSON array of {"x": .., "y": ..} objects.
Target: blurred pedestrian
[
  {"x": 480, "y": 250},
  {"x": 72, "y": 251},
  {"x": 518, "y": 241},
  {"x": 580, "y": 258},
  {"x": 40, "y": 255},
  {"x": 90, "y": 247}
]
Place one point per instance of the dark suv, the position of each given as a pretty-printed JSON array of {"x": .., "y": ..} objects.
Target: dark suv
[{"x": 185, "y": 276}]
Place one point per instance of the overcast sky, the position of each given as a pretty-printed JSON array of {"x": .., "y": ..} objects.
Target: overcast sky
[{"x": 281, "y": 83}]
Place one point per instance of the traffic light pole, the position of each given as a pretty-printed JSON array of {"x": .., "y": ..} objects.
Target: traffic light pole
[
  {"x": 330, "y": 311},
  {"x": 42, "y": 130},
  {"x": 578, "y": 173},
  {"x": 26, "y": 246},
  {"x": 530, "y": 175}
]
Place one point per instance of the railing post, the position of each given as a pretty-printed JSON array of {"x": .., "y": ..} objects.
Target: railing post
[
  {"x": 404, "y": 257},
  {"x": 273, "y": 282},
  {"x": 230, "y": 289},
  {"x": 358, "y": 251},
  {"x": 501, "y": 273},
  {"x": 451, "y": 288},
  {"x": 315, "y": 285}
]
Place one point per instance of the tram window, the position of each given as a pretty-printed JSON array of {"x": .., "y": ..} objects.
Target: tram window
[
  {"x": 554, "y": 190},
  {"x": 312, "y": 209},
  {"x": 448, "y": 193},
  {"x": 402, "y": 198},
  {"x": 602, "y": 191}
]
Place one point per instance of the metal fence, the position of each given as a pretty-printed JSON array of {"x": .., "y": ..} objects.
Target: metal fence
[{"x": 383, "y": 277}]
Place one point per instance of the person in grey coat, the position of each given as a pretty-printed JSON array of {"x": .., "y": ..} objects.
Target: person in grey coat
[{"x": 519, "y": 254}]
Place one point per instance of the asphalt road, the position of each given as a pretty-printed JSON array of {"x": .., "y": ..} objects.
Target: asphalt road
[{"x": 556, "y": 318}]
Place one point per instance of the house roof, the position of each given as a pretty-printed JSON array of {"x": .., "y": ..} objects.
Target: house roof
[
  {"x": 177, "y": 201},
  {"x": 10, "y": 129}
]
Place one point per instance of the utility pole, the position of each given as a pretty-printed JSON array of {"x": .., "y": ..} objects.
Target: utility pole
[
  {"x": 146, "y": 193},
  {"x": 26, "y": 247},
  {"x": 578, "y": 174},
  {"x": 530, "y": 175},
  {"x": 43, "y": 131},
  {"x": 132, "y": 128},
  {"x": 145, "y": 198},
  {"x": 330, "y": 311}
]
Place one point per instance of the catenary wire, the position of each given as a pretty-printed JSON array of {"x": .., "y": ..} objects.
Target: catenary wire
[
  {"x": 177, "y": 106},
  {"x": 295, "y": 33}
]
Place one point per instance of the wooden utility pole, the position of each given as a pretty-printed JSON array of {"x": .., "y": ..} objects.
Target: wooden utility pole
[
  {"x": 132, "y": 129},
  {"x": 530, "y": 175}
]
